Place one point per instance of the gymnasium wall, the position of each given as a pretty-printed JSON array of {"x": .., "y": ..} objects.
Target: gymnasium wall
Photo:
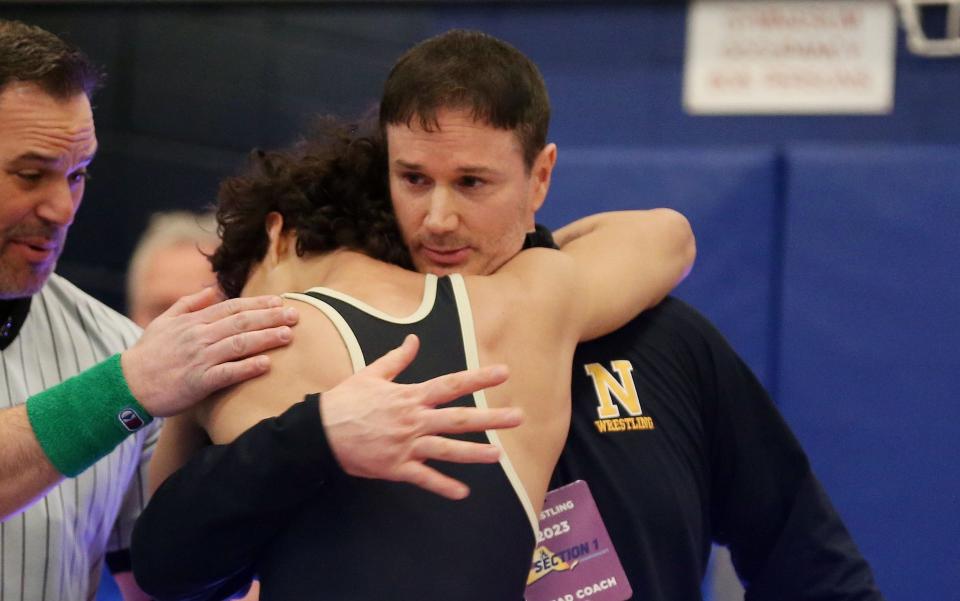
[{"x": 828, "y": 246}]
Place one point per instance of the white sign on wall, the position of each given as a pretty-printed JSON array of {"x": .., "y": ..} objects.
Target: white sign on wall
[{"x": 789, "y": 57}]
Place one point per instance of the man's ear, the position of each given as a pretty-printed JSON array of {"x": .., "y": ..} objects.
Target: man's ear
[
  {"x": 540, "y": 174},
  {"x": 277, "y": 243}
]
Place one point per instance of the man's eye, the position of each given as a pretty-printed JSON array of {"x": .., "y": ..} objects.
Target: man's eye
[
  {"x": 415, "y": 179},
  {"x": 470, "y": 181},
  {"x": 79, "y": 176},
  {"x": 29, "y": 176}
]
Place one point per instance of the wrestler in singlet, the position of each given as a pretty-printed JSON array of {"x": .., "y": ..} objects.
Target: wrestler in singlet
[{"x": 372, "y": 540}]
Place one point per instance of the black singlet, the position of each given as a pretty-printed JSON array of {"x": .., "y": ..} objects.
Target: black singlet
[{"x": 372, "y": 540}]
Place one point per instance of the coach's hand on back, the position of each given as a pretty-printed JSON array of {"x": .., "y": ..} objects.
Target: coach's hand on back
[{"x": 380, "y": 429}]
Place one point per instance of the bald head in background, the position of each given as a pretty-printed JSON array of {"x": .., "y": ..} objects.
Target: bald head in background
[{"x": 170, "y": 261}]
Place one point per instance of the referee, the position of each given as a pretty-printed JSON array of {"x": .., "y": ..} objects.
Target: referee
[{"x": 73, "y": 405}]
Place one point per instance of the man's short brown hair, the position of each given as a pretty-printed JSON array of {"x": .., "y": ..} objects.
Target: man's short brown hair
[{"x": 473, "y": 71}]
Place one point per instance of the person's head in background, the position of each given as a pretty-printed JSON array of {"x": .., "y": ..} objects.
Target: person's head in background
[
  {"x": 170, "y": 261},
  {"x": 47, "y": 139},
  {"x": 465, "y": 117}
]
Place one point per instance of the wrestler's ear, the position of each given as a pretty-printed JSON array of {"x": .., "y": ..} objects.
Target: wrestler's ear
[{"x": 277, "y": 242}]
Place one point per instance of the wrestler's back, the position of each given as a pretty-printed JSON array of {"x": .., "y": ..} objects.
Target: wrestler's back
[
  {"x": 511, "y": 327},
  {"x": 417, "y": 544}
]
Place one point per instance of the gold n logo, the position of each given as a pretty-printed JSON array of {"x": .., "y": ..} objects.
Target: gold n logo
[{"x": 622, "y": 388}]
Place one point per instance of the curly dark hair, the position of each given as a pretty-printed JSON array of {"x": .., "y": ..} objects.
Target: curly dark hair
[{"x": 331, "y": 188}]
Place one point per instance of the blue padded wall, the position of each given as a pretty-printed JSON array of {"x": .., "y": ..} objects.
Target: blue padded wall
[
  {"x": 729, "y": 195},
  {"x": 871, "y": 331}
]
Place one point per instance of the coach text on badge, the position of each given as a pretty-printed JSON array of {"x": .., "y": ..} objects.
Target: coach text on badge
[{"x": 574, "y": 558}]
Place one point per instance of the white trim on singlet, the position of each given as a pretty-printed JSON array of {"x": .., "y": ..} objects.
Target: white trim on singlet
[
  {"x": 346, "y": 334},
  {"x": 426, "y": 303},
  {"x": 473, "y": 362}
]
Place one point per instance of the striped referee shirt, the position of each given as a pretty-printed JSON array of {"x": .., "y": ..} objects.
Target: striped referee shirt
[{"x": 54, "y": 551}]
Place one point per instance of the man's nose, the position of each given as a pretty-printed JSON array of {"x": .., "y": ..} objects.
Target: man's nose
[
  {"x": 59, "y": 204},
  {"x": 442, "y": 216}
]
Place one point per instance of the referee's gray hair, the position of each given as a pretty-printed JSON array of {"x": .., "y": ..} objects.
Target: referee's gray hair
[{"x": 167, "y": 229}]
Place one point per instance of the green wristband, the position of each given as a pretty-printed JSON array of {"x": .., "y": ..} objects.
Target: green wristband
[{"x": 82, "y": 419}]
